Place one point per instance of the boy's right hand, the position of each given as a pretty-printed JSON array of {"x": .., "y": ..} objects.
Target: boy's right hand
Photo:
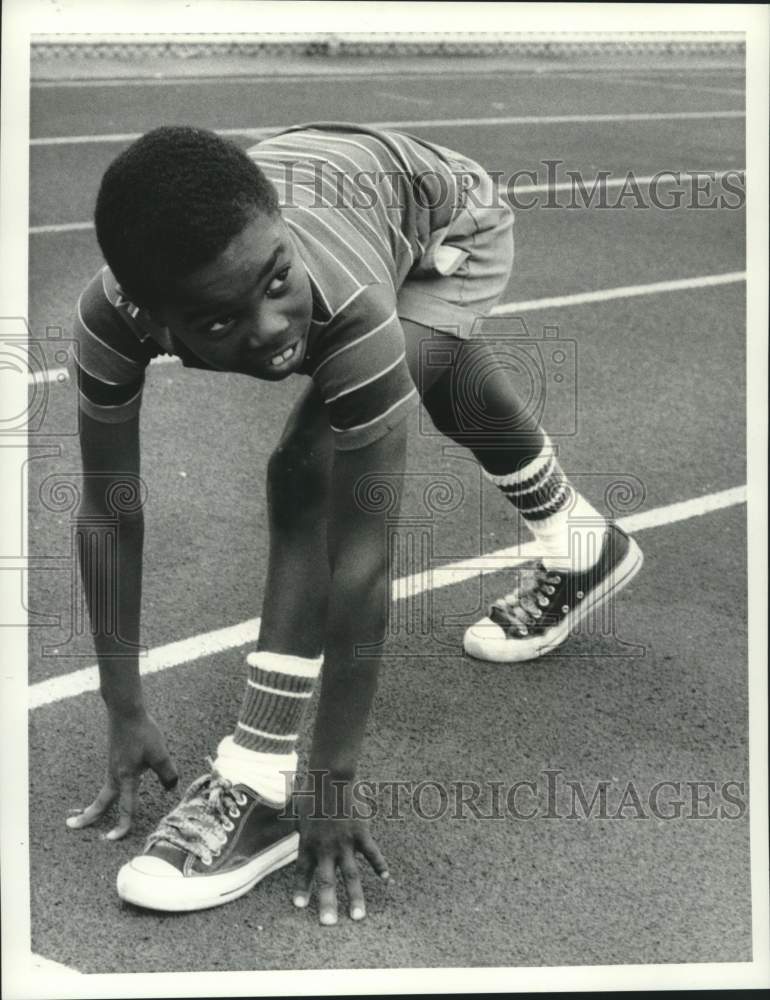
[{"x": 135, "y": 744}]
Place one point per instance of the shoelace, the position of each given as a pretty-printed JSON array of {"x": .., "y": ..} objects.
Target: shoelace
[
  {"x": 202, "y": 820},
  {"x": 516, "y": 612}
]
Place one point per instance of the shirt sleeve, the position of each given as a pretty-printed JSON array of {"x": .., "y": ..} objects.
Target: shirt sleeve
[
  {"x": 111, "y": 358},
  {"x": 361, "y": 371}
]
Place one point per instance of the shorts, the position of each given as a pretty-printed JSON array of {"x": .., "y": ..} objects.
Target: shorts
[{"x": 467, "y": 265}]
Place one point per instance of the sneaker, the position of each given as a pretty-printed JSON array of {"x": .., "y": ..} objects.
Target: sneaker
[
  {"x": 213, "y": 847},
  {"x": 540, "y": 614}
]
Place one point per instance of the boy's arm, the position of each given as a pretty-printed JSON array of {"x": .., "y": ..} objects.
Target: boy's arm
[
  {"x": 110, "y": 454},
  {"x": 358, "y": 611}
]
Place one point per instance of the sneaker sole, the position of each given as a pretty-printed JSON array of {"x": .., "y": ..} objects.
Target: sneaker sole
[
  {"x": 182, "y": 893},
  {"x": 620, "y": 577}
]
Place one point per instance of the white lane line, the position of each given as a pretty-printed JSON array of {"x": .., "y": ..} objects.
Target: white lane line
[
  {"x": 61, "y": 375},
  {"x": 467, "y": 569},
  {"x": 546, "y": 72},
  {"x": 643, "y": 116},
  {"x": 64, "y": 227},
  {"x": 262, "y": 80},
  {"x": 188, "y": 650},
  {"x": 665, "y": 177},
  {"x": 623, "y": 292},
  {"x": 684, "y": 509},
  {"x": 393, "y": 96},
  {"x": 160, "y": 658}
]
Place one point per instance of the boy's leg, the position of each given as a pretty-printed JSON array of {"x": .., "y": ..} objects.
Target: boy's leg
[
  {"x": 283, "y": 670},
  {"x": 584, "y": 560},
  {"x": 512, "y": 448},
  {"x": 441, "y": 392},
  {"x": 297, "y": 584},
  {"x": 509, "y": 443},
  {"x": 230, "y": 830}
]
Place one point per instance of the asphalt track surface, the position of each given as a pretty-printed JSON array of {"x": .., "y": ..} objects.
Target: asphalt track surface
[{"x": 659, "y": 399}]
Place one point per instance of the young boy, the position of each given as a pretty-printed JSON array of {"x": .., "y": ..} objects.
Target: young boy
[{"x": 330, "y": 251}]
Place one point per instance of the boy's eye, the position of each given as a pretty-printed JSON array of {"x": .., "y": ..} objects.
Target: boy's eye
[
  {"x": 219, "y": 327},
  {"x": 278, "y": 283}
]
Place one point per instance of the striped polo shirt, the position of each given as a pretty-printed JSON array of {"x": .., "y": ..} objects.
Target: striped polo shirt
[{"x": 363, "y": 207}]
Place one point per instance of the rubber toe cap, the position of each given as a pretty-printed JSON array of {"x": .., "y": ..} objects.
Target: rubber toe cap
[
  {"x": 147, "y": 864},
  {"x": 487, "y": 641},
  {"x": 482, "y": 637}
]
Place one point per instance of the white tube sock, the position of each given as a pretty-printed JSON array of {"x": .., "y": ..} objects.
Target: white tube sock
[
  {"x": 269, "y": 774},
  {"x": 572, "y": 538}
]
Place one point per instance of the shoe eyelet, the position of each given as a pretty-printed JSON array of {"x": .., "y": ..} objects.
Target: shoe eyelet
[
  {"x": 207, "y": 859},
  {"x": 543, "y": 602},
  {"x": 241, "y": 799},
  {"x": 537, "y": 613},
  {"x": 228, "y": 825},
  {"x": 580, "y": 595},
  {"x": 235, "y": 812},
  {"x": 523, "y": 632},
  {"x": 564, "y": 609}
]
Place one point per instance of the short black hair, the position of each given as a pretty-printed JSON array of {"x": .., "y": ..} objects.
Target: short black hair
[{"x": 170, "y": 203}]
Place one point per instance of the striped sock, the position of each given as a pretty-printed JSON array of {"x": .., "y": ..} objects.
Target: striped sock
[
  {"x": 568, "y": 529},
  {"x": 277, "y": 692},
  {"x": 262, "y": 749}
]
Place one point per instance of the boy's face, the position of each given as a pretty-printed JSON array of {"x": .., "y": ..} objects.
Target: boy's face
[{"x": 249, "y": 310}]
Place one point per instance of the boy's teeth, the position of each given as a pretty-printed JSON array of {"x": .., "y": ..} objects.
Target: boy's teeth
[{"x": 280, "y": 358}]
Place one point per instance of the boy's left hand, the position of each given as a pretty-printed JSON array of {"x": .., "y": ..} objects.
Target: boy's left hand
[{"x": 329, "y": 842}]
